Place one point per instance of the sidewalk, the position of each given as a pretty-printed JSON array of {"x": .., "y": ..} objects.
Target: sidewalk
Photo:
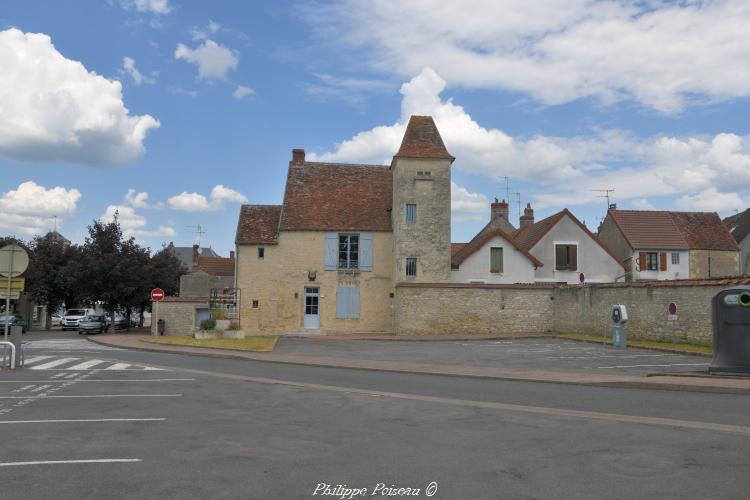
[{"x": 683, "y": 382}]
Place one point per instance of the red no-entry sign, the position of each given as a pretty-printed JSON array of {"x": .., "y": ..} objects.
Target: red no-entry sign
[{"x": 157, "y": 294}]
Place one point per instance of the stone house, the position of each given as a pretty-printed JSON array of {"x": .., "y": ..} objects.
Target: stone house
[
  {"x": 329, "y": 257},
  {"x": 662, "y": 245},
  {"x": 556, "y": 249},
  {"x": 739, "y": 226}
]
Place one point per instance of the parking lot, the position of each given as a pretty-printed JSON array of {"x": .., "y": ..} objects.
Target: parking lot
[
  {"x": 540, "y": 353},
  {"x": 86, "y": 421}
]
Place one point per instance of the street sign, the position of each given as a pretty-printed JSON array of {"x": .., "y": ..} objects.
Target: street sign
[
  {"x": 14, "y": 294},
  {"x": 157, "y": 294},
  {"x": 17, "y": 284},
  {"x": 13, "y": 260},
  {"x": 672, "y": 311}
]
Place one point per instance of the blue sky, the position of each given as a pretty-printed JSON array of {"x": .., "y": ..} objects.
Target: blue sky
[{"x": 175, "y": 112}]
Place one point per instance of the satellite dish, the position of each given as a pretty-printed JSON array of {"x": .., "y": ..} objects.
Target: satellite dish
[{"x": 13, "y": 260}]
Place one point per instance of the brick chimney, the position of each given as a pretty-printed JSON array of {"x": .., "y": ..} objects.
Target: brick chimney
[
  {"x": 231, "y": 254},
  {"x": 499, "y": 209},
  {"x": 527, "y": 218},
  {"x": 196, "y": 254},
  {"x": 298, "y": 157}
]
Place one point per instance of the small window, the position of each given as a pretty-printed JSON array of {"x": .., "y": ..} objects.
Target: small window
[
  {"x": 411, "y": 212},
  {"x": 256, "y": 303},
  {"x": 566, "y": 257},
  {"x": 428, "y": 173},
  {"x": 675, "y": 258},
  {"x": 420, "y": 173},
  {"x": 496, "y": 260},
  {"x": 348, "y": 251},
  {"x": 652, "y": 261},
  {"x": 261, "y": 252},
  {"x": 411, "y": 267}
]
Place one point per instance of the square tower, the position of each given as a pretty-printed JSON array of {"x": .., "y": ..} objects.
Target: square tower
[{"x": 421, "y": 215}]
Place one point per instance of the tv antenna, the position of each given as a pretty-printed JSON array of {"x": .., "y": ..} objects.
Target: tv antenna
[
  {"x": 198, "y": 231},
  {"x": 605, "y": 195},
  {"x": 507, "y": 188},
  {"x": 518, "y": 200},
  {"x": 55, "y": 218}
]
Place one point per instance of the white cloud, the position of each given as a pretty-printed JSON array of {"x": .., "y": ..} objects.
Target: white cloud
[
  {"x": 213, "y": 60},
  {"x": 466, "y": 205},
  {"x": 136, "y": 199},
  {"x": 195, "y": 202},
  {"x": 566, "y": 171},
  {"x": 133, "y": 224},
  {"x": 203, "y": 33},
  {"x": 153, "y": 6},
  {"x": 642, "y": 204},
  {"x": 54, "y": 110},
  {"x": 241, "y": 91},
  {"x": 660, "y": 54},
  {"x": 128, "y": 64},
  {"x": 31, "y": 208},
  {"x": 710, "y": 200}
]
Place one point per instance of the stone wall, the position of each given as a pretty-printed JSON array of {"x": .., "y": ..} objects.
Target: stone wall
[
  {"x": 434, "y": 309},
  {"x": 714, "y": 263},
  {"x": 178, "y": 313}
]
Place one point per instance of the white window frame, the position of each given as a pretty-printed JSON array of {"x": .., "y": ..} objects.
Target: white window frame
[{"x": 675, "y": 258}]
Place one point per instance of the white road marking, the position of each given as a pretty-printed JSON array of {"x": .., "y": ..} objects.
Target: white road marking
[
  {"x": 97, "y": 396},
  {"x": 83, "y": 420},
  {"x": 57, "y": 462},
  {"x": 118, "y": 366},
  {"x": 98, "y": 380},
  {"x": 40, "y": 388},
  {"x": 52, "y": 364},
  {"x": 86, "y": 364},
  {"x": 152, "y": 368},
  {"x": 33, "y": 359},
  {"x": 654, "y": 366}
]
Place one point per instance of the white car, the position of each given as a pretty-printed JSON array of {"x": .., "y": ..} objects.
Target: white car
[{"x": 73, "y": 316}]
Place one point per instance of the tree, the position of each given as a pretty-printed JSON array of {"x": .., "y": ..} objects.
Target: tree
[{"x": 163, "y": 271}]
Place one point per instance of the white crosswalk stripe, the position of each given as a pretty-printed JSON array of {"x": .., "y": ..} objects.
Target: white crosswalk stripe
[{"x": 77, "y": 364}]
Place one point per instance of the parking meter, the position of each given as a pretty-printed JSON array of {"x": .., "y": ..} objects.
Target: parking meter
[{"x": 619, "y": 318}]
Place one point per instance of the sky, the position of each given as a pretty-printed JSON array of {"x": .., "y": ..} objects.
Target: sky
[{"x": 172, "y": 113}]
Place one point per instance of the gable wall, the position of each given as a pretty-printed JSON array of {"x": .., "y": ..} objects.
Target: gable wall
[
  {"x": 596, "y": 264},
  {"x": 516, "y": 266},
  {"x": 611, "y": 236}
]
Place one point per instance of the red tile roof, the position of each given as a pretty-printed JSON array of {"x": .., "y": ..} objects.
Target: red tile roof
[
  {"x": 483, "y": 237},
  {"x": 336, "y": 196},
  {"x": 739, "y": 225},
  {"x": 455, "y": 247},
  {"x": 704, "y": 231},
  {"x": 258, "y": 224},
  {"x": 648, "y": 229},
  {"x": 644, "y": 229},
  {"x": 422, "y": 140},
  {"x": 215, "y": 266}
]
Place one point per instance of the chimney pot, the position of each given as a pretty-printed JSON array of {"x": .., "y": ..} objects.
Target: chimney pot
[
  {"x": 499, "y": 209},
  {"x": 298, "y": 156},
  {"x": 231, "y": 254},
  {"x": 527, "y": 219}
]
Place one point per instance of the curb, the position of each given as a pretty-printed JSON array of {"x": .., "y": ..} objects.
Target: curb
[
  {"x": 648, "y": 348},
  {"x": 626, "y": 384}
]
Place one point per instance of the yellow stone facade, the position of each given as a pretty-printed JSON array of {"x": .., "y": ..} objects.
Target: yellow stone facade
[{"x": 278, "y": 283}]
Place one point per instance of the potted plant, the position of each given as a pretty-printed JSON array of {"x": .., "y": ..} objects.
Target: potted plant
[
  {"x": 208, "y": 330},
  {"x": 233, "y": 331},
  {"x": 219, "y": 315}
]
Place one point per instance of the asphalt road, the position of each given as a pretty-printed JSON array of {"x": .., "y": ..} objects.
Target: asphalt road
[{"x": 174, "y": 426}]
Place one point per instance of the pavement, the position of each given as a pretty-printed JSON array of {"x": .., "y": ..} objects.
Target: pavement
[{"x": 534, "y": 359}]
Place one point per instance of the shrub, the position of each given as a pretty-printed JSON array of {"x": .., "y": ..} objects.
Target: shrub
[
  {"x": 208, "y": 324},
  {"x": 234, "y": 325},
  {"x": 217, "y": 313}
]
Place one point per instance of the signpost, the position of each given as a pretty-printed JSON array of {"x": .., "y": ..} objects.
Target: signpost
[
  {"x": 13, "y": 262},
  {"x": 672, "y": 316},
  {"x": 157, "y": 295}
]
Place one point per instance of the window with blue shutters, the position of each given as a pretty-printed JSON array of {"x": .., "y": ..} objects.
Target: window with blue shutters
[
  {"x": 332, "y": 251},
  {"x": 365, "y": 252},
  {"x": 348, "y": 251},
  {"x": 347, "y": 303},
  {"x": 411, "y": 212}
]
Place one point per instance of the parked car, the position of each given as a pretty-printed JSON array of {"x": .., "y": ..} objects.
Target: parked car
[
  {"x": 73, "y": 316},
  {"x": 56, "y": 320},
  {"x": 14, "y": 320},
  {"x": 95, "y": 323}
]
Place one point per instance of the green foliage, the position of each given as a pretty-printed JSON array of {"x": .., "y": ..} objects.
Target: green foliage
[
  {"x": 208, "y": 324},
  {"x": 218, "y": 313}
]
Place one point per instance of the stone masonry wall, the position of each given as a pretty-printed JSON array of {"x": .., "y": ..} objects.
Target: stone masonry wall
[
  {"x": 714, "y": 263},
  {"x": 435, "y": 309},
  {"x": 179, "y": 317}
]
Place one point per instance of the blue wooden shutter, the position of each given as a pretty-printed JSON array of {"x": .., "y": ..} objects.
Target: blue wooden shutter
[
  {"x": 332, "y": 251},
  {"x": 354, "y": 302},
  {"x": 342, "y": 302},
  {"x": 365, "y": 251}
]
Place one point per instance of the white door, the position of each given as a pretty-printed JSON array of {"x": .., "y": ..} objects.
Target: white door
[{"x": 312, "y": 308}]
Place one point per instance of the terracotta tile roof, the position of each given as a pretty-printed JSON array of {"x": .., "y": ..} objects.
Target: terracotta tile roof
[
  {"x": 704, "y": 231},
  {"x": 739, "y": 225},
  {"x": 258, "y": 224},
  {"x": 336, "y": 196},
  {"x": 483, "y": 237},
  {"x": 528, "y": 236},
  {"x": 215, "y": 266},
  {"x": 422, "y": 140},
  {"x": 648, "y": 229},
  {"x": 645, "y": 229},
  {"x": 455, "y": 247}
]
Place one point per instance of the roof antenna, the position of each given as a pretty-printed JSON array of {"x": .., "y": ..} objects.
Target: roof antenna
[
  {"x": 507, "y": 188},
  {"x": 605, "y": 195},
  {"x": 55, "y": 218},
  {"x": 199, "y": 232},
  {"x": 518, "y": 200}
]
